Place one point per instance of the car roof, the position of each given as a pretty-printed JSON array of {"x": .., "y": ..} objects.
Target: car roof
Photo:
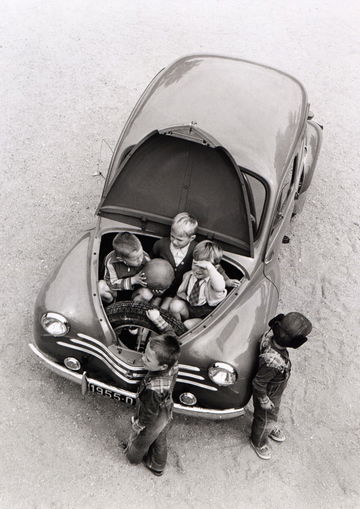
[{"x": 254, "y": 111}]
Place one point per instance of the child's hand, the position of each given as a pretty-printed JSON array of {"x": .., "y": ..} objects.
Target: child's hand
[
  {"x": 267, "y": 405},
  {"x": 158, "y": 291},
  {"x": 136, "y": 426},
  {"x": 153, "y": 314},
  {"x": 139, "y": 279},
  {"x": 232, "y": 283}
]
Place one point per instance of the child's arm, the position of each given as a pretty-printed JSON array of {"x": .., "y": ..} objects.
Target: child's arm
[
  {"x": 181, "y": 292},
  {"x": 138, "y": 279},
  {"x": 148, "y": 409},
  {"x": 216, "y": 279},
  {"x": 158, "y": 320},
  {"x": 229, "y": 283},
  {"x": 263, "y": 376},
  {"x": 124, "y": 283},
  {"x": 128, "y": 283},
  {"x": 232, "y": 283}
]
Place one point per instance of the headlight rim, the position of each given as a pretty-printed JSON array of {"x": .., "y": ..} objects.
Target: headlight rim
[
  {"x": 59, "y": 318},
  {"x": 224, "y": 366}
]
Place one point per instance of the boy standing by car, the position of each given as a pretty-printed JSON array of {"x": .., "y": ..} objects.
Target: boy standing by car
[
  {"x": 287, "y": 331},
  {"x": 147, "y": 441},
  {"x": 202, "y": 288},
  {"x": 123, "y": 266}
]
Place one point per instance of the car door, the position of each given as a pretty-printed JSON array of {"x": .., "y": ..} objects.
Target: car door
[{"x": 283, "y": 209}]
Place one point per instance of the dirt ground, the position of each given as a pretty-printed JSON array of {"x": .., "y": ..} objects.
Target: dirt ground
[{"x": 70, "y": 73}]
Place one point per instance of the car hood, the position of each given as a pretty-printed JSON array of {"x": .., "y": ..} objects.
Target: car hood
[
  {"x": 182, "y": 169},
  {"x": 256, "y": 112}
]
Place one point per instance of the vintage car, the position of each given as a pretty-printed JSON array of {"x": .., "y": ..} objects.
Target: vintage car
[{"x": 233, "y": 143}]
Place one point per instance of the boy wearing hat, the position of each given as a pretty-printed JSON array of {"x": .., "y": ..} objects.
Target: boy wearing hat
[{"x": 286, "y": 331}]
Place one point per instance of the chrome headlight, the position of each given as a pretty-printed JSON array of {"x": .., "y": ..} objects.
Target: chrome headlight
[
  {"x": 55, "y": 324},
  {"x": 222, "y": 374}
]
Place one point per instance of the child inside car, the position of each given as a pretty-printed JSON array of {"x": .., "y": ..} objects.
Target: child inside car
[
  {"x": 177, "y": 250},
  {"x": 202, "y": 288},
  {"x": 123, "y": 267}
]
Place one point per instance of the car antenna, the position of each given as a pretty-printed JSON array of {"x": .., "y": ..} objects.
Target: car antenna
[{"x": 98, "y": 173}]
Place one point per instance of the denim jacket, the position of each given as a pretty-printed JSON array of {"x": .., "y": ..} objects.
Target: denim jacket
[{"x": 274, "y": 367}]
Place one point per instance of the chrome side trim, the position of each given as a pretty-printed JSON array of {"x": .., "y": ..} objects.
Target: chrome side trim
[
  {"x": 206, "y": 413},
  {"x": 190, "y": 375},
  {"x": 54, "y": 366},
  {"x": 94, "y": 354},
  {"x": 188, "y": 367},
  {"x": 190, "y": 382},
  {"x": 116, "y": 359},
  {"x": 130, "y": 367},
  {"x": 75, "y": 377},
  {"x": 109, "y": 356},
  {"x": 88, "y": 346}
]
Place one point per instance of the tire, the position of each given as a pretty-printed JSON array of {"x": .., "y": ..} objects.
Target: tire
[{"x": 134, "y": 314}]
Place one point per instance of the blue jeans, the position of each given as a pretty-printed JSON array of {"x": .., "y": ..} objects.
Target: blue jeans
[
  {"x": 265, "y": 420},
  {"x": 150, "y": 444}
]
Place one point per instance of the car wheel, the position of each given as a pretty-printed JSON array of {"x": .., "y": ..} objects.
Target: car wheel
[{"x": 129, "y": 313}]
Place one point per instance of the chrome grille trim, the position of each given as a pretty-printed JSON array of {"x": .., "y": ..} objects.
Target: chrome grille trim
[
  {"x": 109, "y": 356},
  {"x": 191, "y": 375},
  {"x": 188, "y": 367},
  {"x": 94, "y": 354},
  {"x": 113, "y": 356},
  {"x": 190, "y": 382}
]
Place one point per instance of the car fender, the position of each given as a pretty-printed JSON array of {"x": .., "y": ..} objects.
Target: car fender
[
  {"x": 233, "y": 337},
  {"x": 67, "y": 291}
]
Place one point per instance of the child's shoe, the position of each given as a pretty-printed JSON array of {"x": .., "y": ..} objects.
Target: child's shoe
[
  {"x": 123, "y": 445},
  {"x": 264, "y": 452},
  {"x": 277, "y": 435},
  {"x": 158, "y": 473}
]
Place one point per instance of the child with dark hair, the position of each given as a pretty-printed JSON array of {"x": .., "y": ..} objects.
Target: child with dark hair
[
  {"x": 147, "y": 440},
  {"x": 286, "y": 331}
]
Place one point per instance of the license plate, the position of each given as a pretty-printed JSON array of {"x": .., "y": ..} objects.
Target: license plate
[{"x": 108, "y": 393}]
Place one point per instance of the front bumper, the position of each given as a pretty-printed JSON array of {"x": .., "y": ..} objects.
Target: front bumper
[{"x": 206, "y": 413}]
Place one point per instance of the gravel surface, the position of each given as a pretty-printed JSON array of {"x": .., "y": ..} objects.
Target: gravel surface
[{"x": 70, "y": 73}]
